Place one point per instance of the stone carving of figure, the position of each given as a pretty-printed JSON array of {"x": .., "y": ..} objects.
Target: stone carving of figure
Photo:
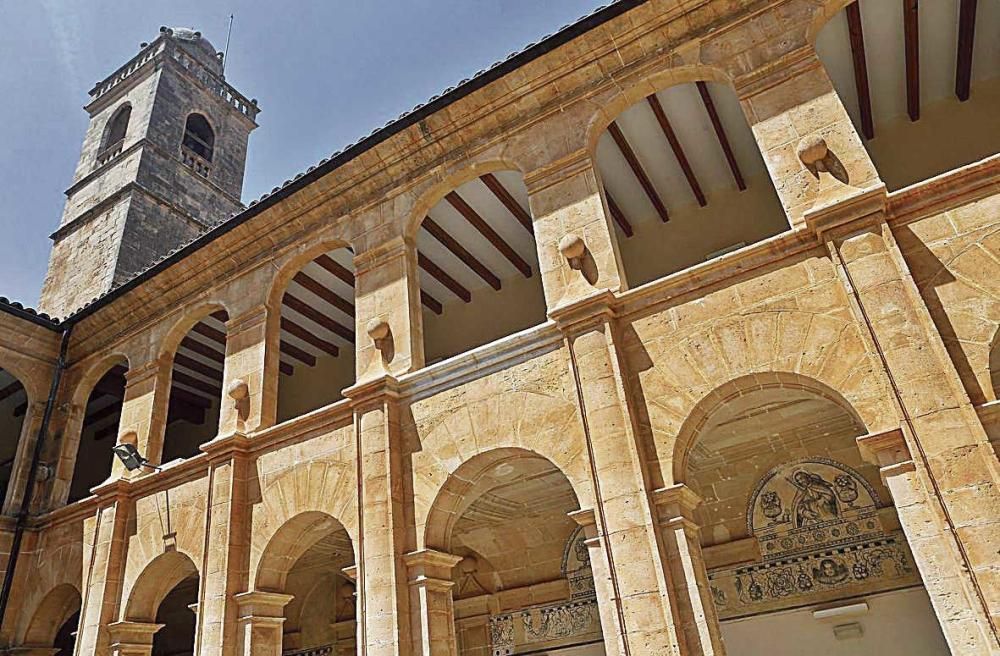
[{"x": 815, "y": 501}]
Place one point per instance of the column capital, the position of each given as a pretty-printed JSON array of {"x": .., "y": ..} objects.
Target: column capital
[
  {"x": 146, "y": 371},
  {"x": 583, "y": 313},
  {"x": 396, "y": 247},
  {"x": 259, "y": 605},
  {"x": 133, "y": 634},
  {"x": 791, "y": 65},
  {"x": 841, "y": 217},
  {"x": 888, "y": 450},
  {"x": 555, "y": 172},
  {"x": 429, "y": 567},
  {"x": 676, "y": 502},
  {"x": 376, "y": 390},
  {"x": 227, "y": 446},
  {"x": 250, "y": 319},
  {"x": 351, "y": 572}
]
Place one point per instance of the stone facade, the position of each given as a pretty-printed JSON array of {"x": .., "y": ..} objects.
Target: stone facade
[{"x": 800, "y": 425}]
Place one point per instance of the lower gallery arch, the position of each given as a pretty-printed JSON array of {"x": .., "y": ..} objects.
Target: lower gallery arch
[
  {"x": 165, "y": 595},
  {"x": 799, "y": 535},
  {"x": 523, "y": 581},
  {"x": 311, "y": 558},
  {"x": 54, "y": 623}
]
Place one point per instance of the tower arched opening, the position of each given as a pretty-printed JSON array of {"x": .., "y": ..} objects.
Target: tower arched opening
[
  {"x": 99, "y": 431},
  {"x": 920, "y": 81},
  {"x": 13, "y": 409},
  {"x": 478, "y": 266},
  {"x": 684, "y": 181}
]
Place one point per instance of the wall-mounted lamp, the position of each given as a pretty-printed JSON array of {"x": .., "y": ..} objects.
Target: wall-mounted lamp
[{"x": 130, "y": 457}]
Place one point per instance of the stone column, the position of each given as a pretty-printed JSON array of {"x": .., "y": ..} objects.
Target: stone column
[
  {"x": 387, "y": 310},
  {"x": 947, "y": 438},
  {"x": 699, "y": 621},
  {"x": 935, "y": 549},
  {"x": 791, "y": 107},
  {"x": 30, "y": 425},
  {"x": 144, "y": 410},
  {"x": 604, "y": 589},
  {"x": 624, "y": 517},
  {"x": 131, "y": 638},
  {"x": 431, "y": 607},
  {"x": 567, "y": 202},
  {"x": 225, "y": 562},
  {"x": 383, "y": 595},
  {"x": 261, "y": 616},
  {"x": 104, "y": 551},
  {"x": 252, "y": 340}
]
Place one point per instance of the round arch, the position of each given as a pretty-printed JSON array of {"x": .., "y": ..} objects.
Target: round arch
[
  {"x": 93, "y": 374},
  {"x": 453, "y": 499},
  {"x": 122, "y": 112},
  {"x": 159, "y": 577},
  {"x": 434, "y": 193},
  {"x": 700, "y": 415},
  {"x": 294, "y": 262},
  {"x": 183, "y": 325},
  {"x": 57, "y": 606},
  {"x": 289, "y": 542}
]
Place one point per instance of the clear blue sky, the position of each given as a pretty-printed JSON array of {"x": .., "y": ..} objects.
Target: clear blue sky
[{"x": 326, "y": 72}]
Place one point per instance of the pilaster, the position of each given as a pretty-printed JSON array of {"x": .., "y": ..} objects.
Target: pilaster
[
  {"x": 604, "y": 586},
  {"x": 144, "y": 409},
  {"x": 624, "y": 517},
  {"x": 566, "y": 201},
  {"x": 431, "y": 606},
  {"x": 261, "y": 616},
  {"x": 22, "y": 457},
  {"x": 699, "y": 622},
  {"x": 132, "y": 638},
  {"x": 383, "y": 595},
  {"x": 252, "y": 358}
]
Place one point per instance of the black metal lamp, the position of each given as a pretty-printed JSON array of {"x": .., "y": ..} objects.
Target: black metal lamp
[{"x": 130, "y": 456}]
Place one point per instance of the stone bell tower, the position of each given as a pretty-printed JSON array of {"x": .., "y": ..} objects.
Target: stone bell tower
[{"x": 162, "y": 162}]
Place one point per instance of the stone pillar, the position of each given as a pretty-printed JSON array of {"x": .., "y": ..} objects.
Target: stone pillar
[
  {"x": 935, "y": 550},
  {"x": 431, "y": 607},
  {"x": 144, "y": 410},
  {"x": 225, "y": 562},
  {"x": 624, "y": 518},
  {"x": 793, "y": 106},
  {"x": 948, "y": 439},
  {"x": 131, "y": 638},
  {"x": 261, "y": 616},
  {"x": 252, "y": 340},
  {"x": 387, "y": 310},
  {"x": 699, "y": 621},
  {"x": 383, "y": 595},
  {"x": 604, "y": 589},
  {"x": 567, "y": 202},
  {"x": 104, "y": 551},
  {"x": 30, "y": 425}
]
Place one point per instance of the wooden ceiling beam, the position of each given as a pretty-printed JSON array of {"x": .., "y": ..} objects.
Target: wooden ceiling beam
[
  {"x": 197, "y": 383},
  {"x": 966, "y": 39},
  {"x": 293, "y": 351},
  {"x": 203, "y": 350},
  {"x": 205, "y": 330},
  {"x": 617, "y": 214},
  {"x": 308, "y": 337},
  {"x": 637, "y": 170},
  {"x": 857, "y": 37},
  {"x": 439, "y": 274},
  {"x": 500, "y": 192},
  {"x": 431, "y": 303},
  {"x": 10, "y": 390},
  {"x": 187, "y": 412},
  {"x": 311, "y": 284},
  {"x": 720, "y": 134},
  {"x": 103, "y": 413},
  {"x": 182, "y": 396},
  {"x": 220, "y": 315},
  {"x": 477, "y": 222},
  {"x": 911, "y": 40},
  {"x": 675, "y": 146},
  {"x": 197, "y": 366},
  {"x": 337, "y": 269},
  {"x": 459, "y": 251},
  {"x": 317, "y": 317}
]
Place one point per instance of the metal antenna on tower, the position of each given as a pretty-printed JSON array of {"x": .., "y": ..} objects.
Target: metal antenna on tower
[{"x": 225, "y": 55}]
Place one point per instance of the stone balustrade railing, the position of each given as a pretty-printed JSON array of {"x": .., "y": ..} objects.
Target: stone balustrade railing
[
  {"x": 196, "y": 162},
  {"x": 109, "y": 153},
  {"x": 228, "y": 94},
  {"x": 324, "y": 650},
  {"x": 123, "y": 73}
]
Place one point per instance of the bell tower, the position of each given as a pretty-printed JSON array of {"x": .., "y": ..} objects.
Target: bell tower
[{"x": 162, "y": 162}]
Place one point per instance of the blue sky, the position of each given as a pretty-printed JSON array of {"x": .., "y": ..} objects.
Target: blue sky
[{"x": 326, "y": 72}]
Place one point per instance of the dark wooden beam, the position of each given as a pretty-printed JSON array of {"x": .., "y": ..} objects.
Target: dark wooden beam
[
  {"x": 857, "y": 36},
  {"x": 459, "y": 251},
  {"x": 675, "y": 145},
  {"x": 308, "y": 337},
  {"x": 197, "y": 383},
  {"x": 10, "y": 390},
  {"x": 19, "y": 410},
  {"x": 502, "y": 195},
  {"x": 470, "y": 215},
  {"x": 197, "y": 366},
  {"x": 966, "y": 39},
  {"x": 432, "y": 303},
  {"x": 203, "y": 349},
  {"x": 442, "y": 277},
  {"x": 617, "y": 214},
  {"x": 911, "y": 38},
  {"x": 335, "y": 268},
  {"x": 720, "y": 134},
  {"x": 107, "y": 387},
  {"x": 186, "y": 412},
  {"x": 182, "y": 396},
  {"x": 107, "y": 431},
  {"x": 637, "y": 170},
  {"x": 205, "y": 330},
  {"x": 317, "y": 317},
  {"x": 317, "y": 288},
  {"x": 293, "y": 351},
  {"x": 103, "y": 413},
  {"x": 220, "y": 315}
]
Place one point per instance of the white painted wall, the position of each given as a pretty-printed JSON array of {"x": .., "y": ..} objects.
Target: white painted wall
[{"x": 899, "y": 623}]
